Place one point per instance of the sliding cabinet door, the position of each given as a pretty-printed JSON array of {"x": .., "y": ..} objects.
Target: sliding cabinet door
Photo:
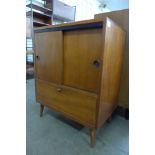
[
  {"x": 49, "y": 52},
  {"x": 82, "y": 58}
]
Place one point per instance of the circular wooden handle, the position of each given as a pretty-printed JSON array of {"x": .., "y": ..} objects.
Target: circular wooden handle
[
  {"x": 96, "y": 63},
  {"x": 59, "y": 89},
  {"x": 37, "y": 57}
]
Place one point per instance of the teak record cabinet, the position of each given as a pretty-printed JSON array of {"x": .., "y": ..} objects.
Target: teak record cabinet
[{"x": 78, "y": 68}]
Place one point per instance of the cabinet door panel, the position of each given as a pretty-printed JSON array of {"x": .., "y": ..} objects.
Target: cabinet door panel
[
  {"x": 48, "y": 50},
  {"x": 81, "y": 49}
]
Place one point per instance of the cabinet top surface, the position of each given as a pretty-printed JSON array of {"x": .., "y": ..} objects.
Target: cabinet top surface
[{"x": 70, "y": 25}]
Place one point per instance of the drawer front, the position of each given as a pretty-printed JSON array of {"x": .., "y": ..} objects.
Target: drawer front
[{"x": 78, "y": 105}]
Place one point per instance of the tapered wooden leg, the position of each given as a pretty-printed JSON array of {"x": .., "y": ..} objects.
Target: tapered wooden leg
[
  {"x": 41, "y": 110},
  {"x": 92, "y": 137}
]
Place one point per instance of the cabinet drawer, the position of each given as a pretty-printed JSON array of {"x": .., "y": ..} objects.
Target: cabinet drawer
[{"x": 77, "y": 105}]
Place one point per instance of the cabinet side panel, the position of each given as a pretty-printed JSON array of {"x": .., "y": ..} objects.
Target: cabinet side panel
[
  {"x": 122, "y": 18},
  {"x": 111, "y": 71}
]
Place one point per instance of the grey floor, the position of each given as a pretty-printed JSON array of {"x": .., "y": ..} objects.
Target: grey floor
[{"x": 55, "y": 135}]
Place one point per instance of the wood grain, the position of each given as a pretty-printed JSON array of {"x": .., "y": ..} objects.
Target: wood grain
[
  {"x": 112, "y": 63},
  {"x": 81, "y": 49},
  {"x": 121, "y": 17},
  {"x": 78, "y": 105},
  {"x": 48, "y": 48}
]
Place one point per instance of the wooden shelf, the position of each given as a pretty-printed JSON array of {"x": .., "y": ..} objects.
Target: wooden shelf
[
  {"x": 40, "y": 8},
  {"x": 38, "y": 23},
  {"x": 38, "y": 14}
]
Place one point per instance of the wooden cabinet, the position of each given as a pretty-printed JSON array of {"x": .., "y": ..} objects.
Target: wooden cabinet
[{"x": 78, "y": 68}]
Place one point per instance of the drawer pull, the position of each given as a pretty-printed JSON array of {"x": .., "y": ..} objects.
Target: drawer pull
[{"x": 59, "y": 89}]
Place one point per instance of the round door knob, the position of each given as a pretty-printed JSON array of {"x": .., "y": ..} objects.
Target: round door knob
[
  {"x": 96, "y": 63},
  {"x": 37, "y": 57},
  {"x": 59, "y": 89}
]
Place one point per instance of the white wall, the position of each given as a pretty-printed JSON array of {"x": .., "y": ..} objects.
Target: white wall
[{"x": 86, "y": 9}]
